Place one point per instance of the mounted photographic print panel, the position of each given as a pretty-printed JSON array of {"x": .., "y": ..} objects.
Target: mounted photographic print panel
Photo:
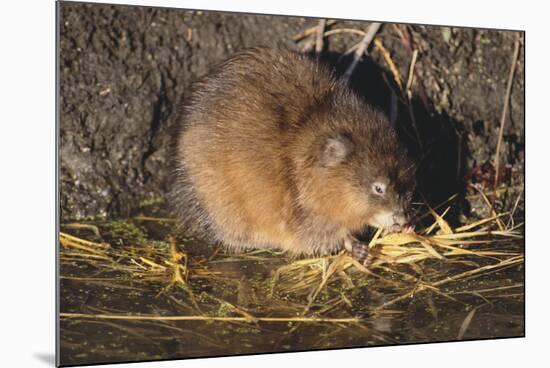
[{"x": 236, "y": 183}]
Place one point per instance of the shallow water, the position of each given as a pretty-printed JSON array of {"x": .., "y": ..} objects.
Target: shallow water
[{"x": 485, "y": 305}]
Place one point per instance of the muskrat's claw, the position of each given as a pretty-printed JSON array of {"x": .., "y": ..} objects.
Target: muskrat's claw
[
  {"x": 360, "y": 252},
  {"x": 409, "y": 229}
]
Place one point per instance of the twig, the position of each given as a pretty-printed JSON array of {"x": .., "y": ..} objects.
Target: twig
[
  {"x": 408, "y": 91},
  {"x": 505, "y": 107},
  {"x": 387, "y": 58},
  {"x": 408, "y": 42},
  {"x": 319, "y": 37},
  {"x": 309, "y": 31},
  {"x": 510, "y": 188},
  {"x": 154, "y": 219},
  {"x": 345, "y": 30},
  {"x": 362, "y": 48},
  {"x": 411, "y": 71},
  {"x": 490, "y": 289},
  {"x": 404, "y": 39}
]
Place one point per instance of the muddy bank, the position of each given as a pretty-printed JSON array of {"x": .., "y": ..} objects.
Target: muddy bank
[{"x": 123, "y": 71}]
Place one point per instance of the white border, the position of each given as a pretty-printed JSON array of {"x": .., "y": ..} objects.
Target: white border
[{"x": 27, "y": 208}]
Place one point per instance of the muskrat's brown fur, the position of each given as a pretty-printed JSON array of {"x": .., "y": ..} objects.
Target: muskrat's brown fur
[{"x": 275, "y": 151}]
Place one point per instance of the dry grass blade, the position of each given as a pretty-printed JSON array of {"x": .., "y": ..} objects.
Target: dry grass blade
[
  {"x": 466, "y": 323},
  {"x": 408, "y": 92},
  {"x": 72, "y": 244},
  {"x": 208, "y": 318},
  {"x": 344, "y": 30},
  {"x": 387, "y": 58},
  {"x": 499, "y": 288},
  {"x": 478, "y": 223},
  {"x": 155, "y": 219},
  {"x": 474, "y": 234},
  {"x": 410, "y": 76},
  {"x": 421, "y": 286},
  {"x": 432, "y": 251},
  {"x": 74, "y": 256},
  {"x": 375, "y": 237},
  {"x": 76, "y": 225},
  {"x": 74, "y": 239},
  {"x": 436, "y": 222},
  {"x": 517, "y": 46},
  {"x": 443, "y": 225},
  {"x": 179, "y": 277},
  {"x": 505, "y": 263},
  {"x": 152, "y": 264}
]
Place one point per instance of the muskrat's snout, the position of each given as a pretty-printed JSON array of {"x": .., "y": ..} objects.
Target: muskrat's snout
[
  {"x": 404, "y": 222},
  {"x": 400, "y": 222},
  {"x": 393, "y": 221}
]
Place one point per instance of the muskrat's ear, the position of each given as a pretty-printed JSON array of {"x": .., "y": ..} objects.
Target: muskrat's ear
[{"x": 335, "y": 150}]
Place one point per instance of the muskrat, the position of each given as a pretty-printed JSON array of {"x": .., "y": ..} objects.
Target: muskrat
[{"x": 273, "y": 150}]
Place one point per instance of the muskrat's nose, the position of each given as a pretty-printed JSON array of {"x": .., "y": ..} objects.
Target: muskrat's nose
[
  {"x": 398, "y": 222},
  {"x": 401, "y": 223},
  {"x": 399, "y": 219}
]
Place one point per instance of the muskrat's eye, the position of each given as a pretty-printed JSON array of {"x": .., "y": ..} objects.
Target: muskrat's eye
[{"x": 379, "y": 188}]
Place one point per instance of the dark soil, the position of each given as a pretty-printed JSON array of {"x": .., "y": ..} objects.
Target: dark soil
[{"x": 123, "y": 71}]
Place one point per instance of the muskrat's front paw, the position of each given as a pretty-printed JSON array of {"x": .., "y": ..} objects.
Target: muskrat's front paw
[{"x": 360, "y": 252}]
